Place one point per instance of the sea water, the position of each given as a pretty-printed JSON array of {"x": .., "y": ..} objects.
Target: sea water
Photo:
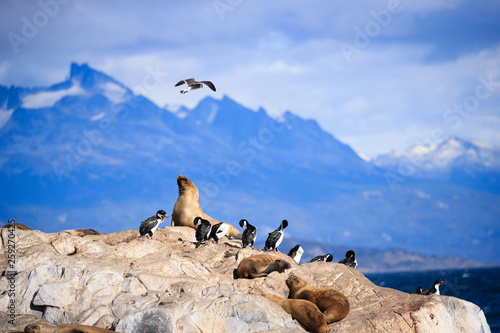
[{"x": 480, "y": 286}]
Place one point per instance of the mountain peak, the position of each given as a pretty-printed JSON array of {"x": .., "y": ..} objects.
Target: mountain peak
[
  {"x": 90, "y": 78},
  {"x": 76, "y": 69}
]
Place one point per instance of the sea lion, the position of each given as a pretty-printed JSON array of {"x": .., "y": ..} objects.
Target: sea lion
[
  {"x": 18, "y": 226},
  {"x": 332, "y": 303},
  {"x": 306, "y": 312},
  {"x": 39, "y": 328},
  {"x": 187, "y": 207},
  {"x": 261, "y": 265},
  {"x": 82, "y": 232}
]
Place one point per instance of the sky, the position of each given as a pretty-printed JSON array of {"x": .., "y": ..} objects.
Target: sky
[{"x": 380, "y": 76}]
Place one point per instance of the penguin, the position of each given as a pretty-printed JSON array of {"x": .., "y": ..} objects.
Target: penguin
[
  {"x": 218, "y": 231},
  {"x": 350, "y": 259},
  {"x": 249, "y": 234},
  {"x": 418, "y": 291},
  {"x": 296, "y": 253},
  {"x": 149, "y": 225},
  {"x": 203, "y": 231},
  {"x": 326, "y": 258},
  {"x": 434, "y": 290},
  {"x": 276, "y": 237}
]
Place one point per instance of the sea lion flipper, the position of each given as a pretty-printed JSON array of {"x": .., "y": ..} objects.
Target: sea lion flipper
[{"x": 278, "y": 265}]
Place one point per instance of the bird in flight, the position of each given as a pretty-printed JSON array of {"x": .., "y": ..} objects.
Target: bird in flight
[{"x": 192, "y": 84}]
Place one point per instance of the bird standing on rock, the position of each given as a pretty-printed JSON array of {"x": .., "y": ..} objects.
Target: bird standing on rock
[
  {"x": 434, "y": 290},
  {"x": 418, "y": 291},
  {"x": 326, "y": 258},
  {"x": 192, "y": 84},
  {"x": 218, "y": 231},
  {"x": 296, "y": 253},
  {"x": 249, "y": 234},
  {"x": 203, "y": 230},
  {"x": 149, "y": 225},
  {"x": 276, "y": 237},
  {"x": 350, "y": 259}
]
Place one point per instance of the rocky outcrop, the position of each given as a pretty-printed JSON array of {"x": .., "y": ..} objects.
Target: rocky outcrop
[{"x": 125, "y": 283}]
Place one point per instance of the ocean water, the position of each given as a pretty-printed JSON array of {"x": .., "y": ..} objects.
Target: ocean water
[{"x": 480, "y": 286}]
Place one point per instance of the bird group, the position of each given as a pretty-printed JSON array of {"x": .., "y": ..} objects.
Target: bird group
[
  {"x": 205, "y": 231},
  {"x": 349, "y": 260}
]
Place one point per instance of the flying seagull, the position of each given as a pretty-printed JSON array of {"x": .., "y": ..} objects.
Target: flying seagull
[{"x": 193, "y": 85}]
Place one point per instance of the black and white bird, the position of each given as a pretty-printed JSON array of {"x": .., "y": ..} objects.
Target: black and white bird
[
  {"x": 218, "y": 231},
  {"x": 418, "y": 291},
  {"x": 249, "y": 234},
  {"x": 350, "y": 259},
  {"x": 149, "y": 225},
  {"x": 192, "y": 84},
  {"x": 203, "y": 230},
  {"x": 434, "y": 290},
  {"x": 276, "y": 237},
  {"x": 326, "y": 258},
  {"x": 296, "y": 253}
]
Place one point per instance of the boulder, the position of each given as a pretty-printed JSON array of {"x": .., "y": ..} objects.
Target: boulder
[{"x": 125, "y": 283}]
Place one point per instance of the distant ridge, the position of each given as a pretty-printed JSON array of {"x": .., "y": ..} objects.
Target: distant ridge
[
  {"x": 454, "y": 160},
  {"x": 89, "y": 153}
]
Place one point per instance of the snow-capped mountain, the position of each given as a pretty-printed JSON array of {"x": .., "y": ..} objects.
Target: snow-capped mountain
[
  {"x": 453, "y": 160},
  {"x": 88, "y": 152}
]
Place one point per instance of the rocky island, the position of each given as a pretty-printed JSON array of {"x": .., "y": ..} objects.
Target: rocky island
[{"x": 125, "y": 283}]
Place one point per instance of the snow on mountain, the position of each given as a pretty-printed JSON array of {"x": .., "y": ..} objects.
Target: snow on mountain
[
  {"x": 47, "y": 99},
  {"x": 443, "y": 161},
  {"x": 5, "y": 114}
]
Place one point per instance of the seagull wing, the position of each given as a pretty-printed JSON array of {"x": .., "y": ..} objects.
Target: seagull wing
[
  {"x": 209, "y": 84},
  {"x": 187, "y": 81}
]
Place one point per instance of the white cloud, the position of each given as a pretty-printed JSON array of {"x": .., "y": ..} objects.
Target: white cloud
[
  {"x": 62, "y": 218},
  {"x": 442, "y": 205},
  {"x": 98, "y": 116},
  {"x": 422, "y": 194}
]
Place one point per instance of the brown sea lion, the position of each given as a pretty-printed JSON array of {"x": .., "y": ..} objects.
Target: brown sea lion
[
  {"x": 304, "y": 311},
  {"x": 187, "y": 207},
  {"x": 261, "y": 265},
  {"x": 19, "y": 226},
  {"x": 81, "y": 232},
  {"x": 332, "y": 303},
  {"x": 39, "y": 328}
]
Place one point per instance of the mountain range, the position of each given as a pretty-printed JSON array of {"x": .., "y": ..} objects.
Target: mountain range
[{"x": 88, "y": 152}]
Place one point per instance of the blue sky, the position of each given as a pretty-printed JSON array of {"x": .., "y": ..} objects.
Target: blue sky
[{"x": 378, "y": 75}]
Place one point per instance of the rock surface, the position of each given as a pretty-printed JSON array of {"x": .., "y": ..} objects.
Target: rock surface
[{"x": 125, "y": 283}]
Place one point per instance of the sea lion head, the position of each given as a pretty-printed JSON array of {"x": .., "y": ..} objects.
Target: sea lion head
[
  {"x": 35, "y": 328},
  {"x": 294, "y": 282},
  {"x": 184, "y": 183}
]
